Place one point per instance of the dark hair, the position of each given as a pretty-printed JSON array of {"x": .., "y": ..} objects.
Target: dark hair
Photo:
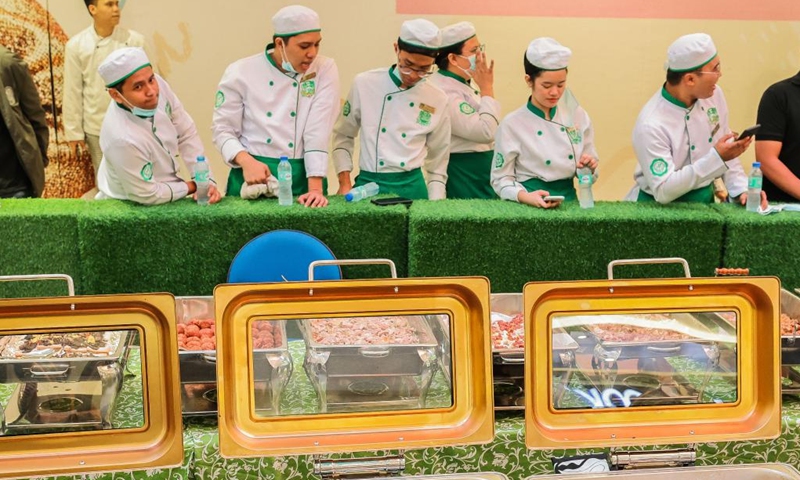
[
  {"x": 407, "y": 47},
  {"x": 442, "y": 61},
  {"x": 90, "y": 2},
  {"x": 674, "y": 78},
  {"x": 284, "y": 37}
]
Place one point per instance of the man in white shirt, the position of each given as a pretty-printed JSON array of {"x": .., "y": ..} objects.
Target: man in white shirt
[
  {"x": 144, "y": 131},
  {"x": 403, "y": 119},
  {"x": 85, "y": 100}
]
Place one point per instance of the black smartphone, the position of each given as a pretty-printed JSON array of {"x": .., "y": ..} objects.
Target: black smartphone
[
  {"x": 392, "y": 201},
  {"x": 749, "y": 132}
]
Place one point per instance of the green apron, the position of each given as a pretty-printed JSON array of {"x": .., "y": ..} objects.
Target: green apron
[
  {"x": 469, "y": 175},
  {"x": 299, "y": 180},
  {"x": 564, "y": 187},
  {"x": 701, "y": 195},
  {"x": 405, "y": 184}
]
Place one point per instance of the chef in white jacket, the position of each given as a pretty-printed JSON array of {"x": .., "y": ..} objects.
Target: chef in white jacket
[
  {"x": 281, "y": 102},
  {"x": 144, "y": 131},
  {"x": 404, "y": 122},
  {"x": 541, "y": 145},
  {"x": 468, "y": 80},
  {"x": 681, "y": 138}
]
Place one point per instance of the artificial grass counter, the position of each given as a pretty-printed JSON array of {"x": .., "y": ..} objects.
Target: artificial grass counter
[{"x": 513, "y": 244}]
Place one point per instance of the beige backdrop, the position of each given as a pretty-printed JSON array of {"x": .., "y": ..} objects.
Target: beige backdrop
[{"x": 617, "y": 63}]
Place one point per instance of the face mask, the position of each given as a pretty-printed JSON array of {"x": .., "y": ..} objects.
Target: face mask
[
  {"x": 472, "y": 65},
  {"x": 286, "y": 64},
  {"x": 140, "y": 112}
]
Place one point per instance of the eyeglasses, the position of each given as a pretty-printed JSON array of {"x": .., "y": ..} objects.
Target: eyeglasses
[
  {"x": 480, "y": 48},
  {"x": 717, "y": 70},
  {"x": 406, "y": 70}
]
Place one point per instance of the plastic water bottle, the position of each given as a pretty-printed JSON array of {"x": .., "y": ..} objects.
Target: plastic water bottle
[
  {"x": 754, "y": 188},
  {"x": 201, "y": 173},
  {"x": 284, "y": 182},
  {"x": 585, "y": 187},
  {"x": 364, "y": 191}
]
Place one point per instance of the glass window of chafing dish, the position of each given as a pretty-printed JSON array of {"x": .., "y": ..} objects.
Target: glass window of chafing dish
[
  {"x": 351, "y": 364},
  {"x": 643, "y": 359},
  {"x": 72, "y": 380}
]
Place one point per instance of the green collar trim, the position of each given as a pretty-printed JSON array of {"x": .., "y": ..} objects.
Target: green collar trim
[
  {"x": 270, "y": 47},
  {"x": 668, "y": 97},
  {"x": 683, "y": 70},
  {"x": 395, "y": 79},
  {"x": 292, "y": 34},
  {"x": 448, "y": 73},
  {"x": 117, "y": 82},
  {"x": 540, "y": 113}
]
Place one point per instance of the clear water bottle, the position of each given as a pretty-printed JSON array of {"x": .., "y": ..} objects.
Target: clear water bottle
[
  {"x": 201, "y": 174},
  {"x": 754, "y": 188},
  {"x": 284, "y": 182},
  {"x": 364, "y": 191},
  {"x": 585, "y": 187}
]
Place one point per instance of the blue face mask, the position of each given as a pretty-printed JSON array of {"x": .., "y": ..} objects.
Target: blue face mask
[
  {"x": 140, "y": 112},
  {"x": 472, "y": 65},
  {"x": 286, "y": 64}
]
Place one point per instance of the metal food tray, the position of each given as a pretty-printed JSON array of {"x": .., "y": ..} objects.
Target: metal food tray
[
  {"x": 200, "y": 366},
  {"x": 389, "y": 359},
  {"x": 767, "y": 471},
  {"x": 38, "y": 368}
]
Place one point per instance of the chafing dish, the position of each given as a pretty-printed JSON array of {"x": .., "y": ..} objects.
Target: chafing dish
[
  {"x": 349, "y": 373},
  {"x": 198, "y": 361},
  {"x": 790, "y": 341}
]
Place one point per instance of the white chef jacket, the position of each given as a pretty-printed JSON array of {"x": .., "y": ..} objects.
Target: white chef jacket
[
  {"x": 140, "y": 155},
  {"x": 473, "y": 118},
  {"x": 675, "y": 147},
  {"x": 85, "y": 98},
  {"x": 528, "y": 146},
  {"x": 269, "y": 113},
  {"x": 399, "y": 128}
]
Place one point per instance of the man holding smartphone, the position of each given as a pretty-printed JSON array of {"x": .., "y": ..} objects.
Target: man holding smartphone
[{"x": 681, "y": 138}]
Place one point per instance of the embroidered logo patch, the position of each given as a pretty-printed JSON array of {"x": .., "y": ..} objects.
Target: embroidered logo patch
[
  {"x": 499, "y": 160},
  {"x": 12, "y": 99},
  {"x": 346, "y": 108},
  {"x": 658, "y": 167},
  {"x": 574, "y": 135},
  {"x": 220, "y": 99},
  {"x": 308, "y": 88},
  {"x": 424, "y": 118},
  {"x": 147, "y": 172},
  {"x": 466, "y": 108},
  {"x": 713, "y": 115}
]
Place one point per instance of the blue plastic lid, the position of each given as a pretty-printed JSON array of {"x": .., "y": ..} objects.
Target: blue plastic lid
[
  {"x": 348, "y": 197},
  {"x": 284, "y": 159},
  {"x": 756, "y": 164},
  {"x": 201, "y": 158}
]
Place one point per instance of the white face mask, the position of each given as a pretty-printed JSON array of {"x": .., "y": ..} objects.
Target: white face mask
[
  {"x": 139, "y": 112},
  {"x": 286, "y": 64}
]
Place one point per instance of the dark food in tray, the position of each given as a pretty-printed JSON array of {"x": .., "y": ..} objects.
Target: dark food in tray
[
  {"x": 62, "y": 345},
  {"x": 365, "y": 331},
  {"x": 200, "y": 334},
  {"x": 508, "y": 334}
]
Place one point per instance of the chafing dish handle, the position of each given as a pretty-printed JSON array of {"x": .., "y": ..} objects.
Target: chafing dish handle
[
  {"x": 664, "y": 349},
  {"x": 44, "y": 276},
  {"x": 648, "y": 261},
  {"x": 355, "y": 261}
]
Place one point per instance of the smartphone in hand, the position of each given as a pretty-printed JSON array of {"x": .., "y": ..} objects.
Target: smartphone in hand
[
  {"x": 553, "y": 198},
  {"x": 749, "y": 132}
]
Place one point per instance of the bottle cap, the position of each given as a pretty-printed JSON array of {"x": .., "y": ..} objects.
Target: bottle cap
[
  {"x": 348, "y": 197},
  {"x": 201, "y": 158},
  {"x": 284, "y": 159},
  {"x": 756, "y": 164}
]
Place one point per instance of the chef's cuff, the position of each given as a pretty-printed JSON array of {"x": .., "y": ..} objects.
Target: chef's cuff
[
  {"x": 436, "y": 190},
  {"x": 316, "y": 163},
  {"x": 230, "y": 149},
  {"x": 511, "y": 192},
  {"x": 342, "y": 161}
]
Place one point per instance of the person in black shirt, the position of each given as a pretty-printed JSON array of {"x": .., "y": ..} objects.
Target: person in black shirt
[
  {"x": 778, "y": 140},
  {"x": 23, "y": 130}
]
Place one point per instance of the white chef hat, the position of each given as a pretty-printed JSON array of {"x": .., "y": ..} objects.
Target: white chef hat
[
  {"x": 457, "y": 33},
  {"x": 294, "y": 20},
  {"x": 121, "y": 64},
  {"x": 421, "y": 33},
  {"x": 690, "y": 52},
  {"x": 548, "y": 54}
]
